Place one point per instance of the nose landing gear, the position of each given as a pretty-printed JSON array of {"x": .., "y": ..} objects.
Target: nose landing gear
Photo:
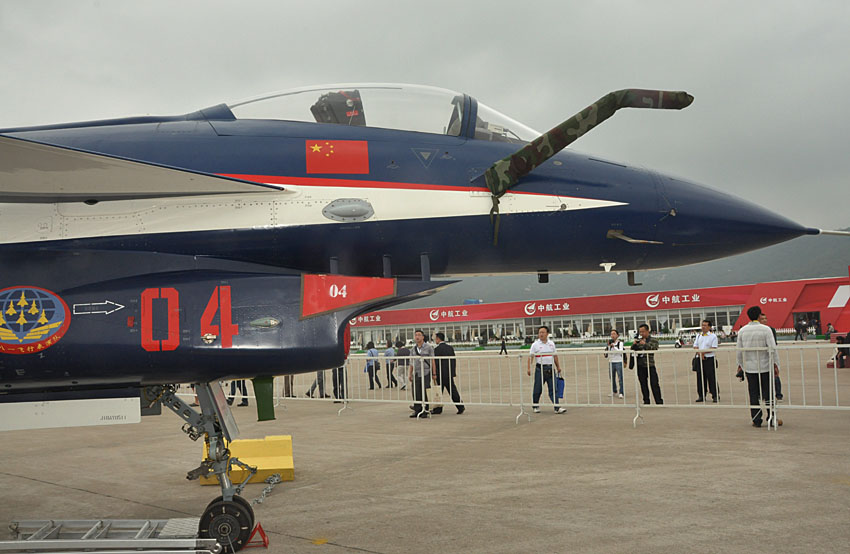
[{"x": 229, "y": 518}]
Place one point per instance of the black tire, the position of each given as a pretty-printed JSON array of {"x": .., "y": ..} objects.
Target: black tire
[
  {"x": 229, "y": 523},
  {"x": 239, "y": 499}
]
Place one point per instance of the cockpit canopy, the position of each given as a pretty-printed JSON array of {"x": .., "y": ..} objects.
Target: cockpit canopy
[{"x": 403, "y": 107}]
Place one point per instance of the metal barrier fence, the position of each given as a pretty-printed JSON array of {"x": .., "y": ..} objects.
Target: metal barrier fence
[{"x": 485, "y": 379}]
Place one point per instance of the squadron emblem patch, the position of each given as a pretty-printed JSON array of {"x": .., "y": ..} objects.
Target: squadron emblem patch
[{"x": 31, "y": 319}]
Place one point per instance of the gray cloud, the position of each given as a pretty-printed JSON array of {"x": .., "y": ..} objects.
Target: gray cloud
[{"x": 769, "y": 122}]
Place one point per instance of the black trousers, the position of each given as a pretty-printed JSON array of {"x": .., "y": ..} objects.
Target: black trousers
[
  {"x": 373, "y": 377},
  {"x": 758, "y": 385},
  {"x": 391, "y": 381},
  {"x": 504, "y": 349},
  {"x": 706, "y": 378},
  {"x": 420, "y": 392},
  {"x": 643, "y": 372},
  {"x": 447, "y": 382},
  {"x": 338, "y": 376}
]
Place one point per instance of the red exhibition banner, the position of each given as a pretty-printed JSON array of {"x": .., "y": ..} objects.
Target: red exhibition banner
[
  {"x": 328, "y": 293},
  {"x": 337, "y": 156},
  {"x": 778, "y": 300}
]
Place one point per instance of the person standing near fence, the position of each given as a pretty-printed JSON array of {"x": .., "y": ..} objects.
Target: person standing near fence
[
  {"x": 289, "y": 386},
  {"x": 614, "y": 352},
  {"x": 543, "y": 354},
  {"x": 421, "y": 373},
  {"x": 756, "y": 365},
  {"x": 646, "y": 364},
  {"x": 389, "y": 359},
  {"x": 402, "y": 357},
  {"x": 842, "y": 353},
  {"x": 504, "y": 349},
  {"x": 238, "y": 385},
  {"x": 705, "y": 362},
  {"x": 800, "y": 329},
  {"x": 777, "y": 382},
  {"x": 447, "y": 370},
  {"x": 338, "y": 376},
  {"x": 372, "y": 365}
]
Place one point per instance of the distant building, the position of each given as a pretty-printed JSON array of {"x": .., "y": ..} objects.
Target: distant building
[{"x": 783, "y": 302}]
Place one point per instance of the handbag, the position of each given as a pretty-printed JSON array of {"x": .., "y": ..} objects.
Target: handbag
[
  {"x": 559, "y": 387},
  {"x": 695, "y": 363}
]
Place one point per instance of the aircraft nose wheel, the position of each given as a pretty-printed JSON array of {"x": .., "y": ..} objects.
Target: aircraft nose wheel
[{"x": 228, "y": 522}]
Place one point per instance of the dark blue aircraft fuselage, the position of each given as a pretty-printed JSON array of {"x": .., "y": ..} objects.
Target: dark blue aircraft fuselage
[{"x": 693, "y": 223}]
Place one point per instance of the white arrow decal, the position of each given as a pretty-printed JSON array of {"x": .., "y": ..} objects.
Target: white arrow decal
[{"x": 106, "y": 307}]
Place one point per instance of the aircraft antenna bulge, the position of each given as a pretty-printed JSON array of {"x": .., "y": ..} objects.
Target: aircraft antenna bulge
[{"x": 31, "y": 319}]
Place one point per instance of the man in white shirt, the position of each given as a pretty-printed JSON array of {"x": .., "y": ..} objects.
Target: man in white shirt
[
  {"x": 614, "y": 353},
  {"x": 705, "y": 362},
  {"x": 421, "y": 372},
  {"x": 756, "y": 364},
  {"x": 543, "y": 354}
]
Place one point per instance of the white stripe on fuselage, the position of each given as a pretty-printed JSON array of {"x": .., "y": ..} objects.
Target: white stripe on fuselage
[{"x": 296, "y": 205}]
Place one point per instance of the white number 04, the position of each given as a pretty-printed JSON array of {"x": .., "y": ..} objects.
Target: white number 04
[{"x": 337, "y": 291}]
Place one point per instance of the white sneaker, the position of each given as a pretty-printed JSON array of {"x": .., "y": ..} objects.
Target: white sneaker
[
  {"x": 621, "y": 395},
  {"x": 536, "y": 410},
  {"x": 560, "y": 410}
]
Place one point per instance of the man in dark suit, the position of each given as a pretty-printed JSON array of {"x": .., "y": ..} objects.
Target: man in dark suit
[{"x": 447, "y": 369}]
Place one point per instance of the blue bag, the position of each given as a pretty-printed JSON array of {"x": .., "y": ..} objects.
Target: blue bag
[{"x": 559, "y": 388}]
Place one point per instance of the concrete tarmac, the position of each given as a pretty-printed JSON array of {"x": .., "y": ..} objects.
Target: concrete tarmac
[{"x": 698, "y": 479}]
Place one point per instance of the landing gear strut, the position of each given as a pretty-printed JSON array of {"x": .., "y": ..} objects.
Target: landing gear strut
[{"x": 229, "y": 518}]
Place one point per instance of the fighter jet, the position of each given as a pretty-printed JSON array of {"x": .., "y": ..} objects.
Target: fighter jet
[{"x": 237, "y": 241}]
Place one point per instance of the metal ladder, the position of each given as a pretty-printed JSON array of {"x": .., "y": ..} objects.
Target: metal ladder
[{"x": 113, "y": 536}]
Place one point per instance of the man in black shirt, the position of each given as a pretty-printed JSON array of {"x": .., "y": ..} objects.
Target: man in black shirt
[
  {"x": 646, "y": 364},
  {"x": 447, "y": 369}
]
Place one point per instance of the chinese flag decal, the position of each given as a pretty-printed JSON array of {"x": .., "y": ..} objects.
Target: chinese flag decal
[
  {"x": 337, "y": 156},
  {"x": 328, "y": 293}
]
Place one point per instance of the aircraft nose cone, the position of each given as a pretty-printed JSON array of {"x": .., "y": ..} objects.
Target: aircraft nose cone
[{"x": 718, "y": 223}]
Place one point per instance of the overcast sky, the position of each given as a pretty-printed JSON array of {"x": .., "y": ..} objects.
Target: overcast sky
[{"x": 770, "y": 121}]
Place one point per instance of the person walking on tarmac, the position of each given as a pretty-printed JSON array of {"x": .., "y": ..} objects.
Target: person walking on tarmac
[
  {"x": 447, "y": 370},
  {"x": 504, "y": 349},
  {"x": 543, "y": 354},
  {"x": 646, "y": 364},
  {"x": 421, "y": 373}
]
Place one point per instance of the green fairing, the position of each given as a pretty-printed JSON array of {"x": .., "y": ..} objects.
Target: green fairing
[
  {"x": 507, "y": 172},
  {"x": 264, "y": 394}
]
